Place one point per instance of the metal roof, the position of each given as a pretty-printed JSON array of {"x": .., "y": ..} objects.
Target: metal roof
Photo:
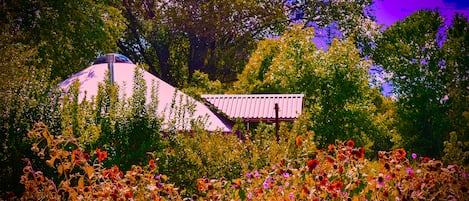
[{"x": 256, "y": 107}]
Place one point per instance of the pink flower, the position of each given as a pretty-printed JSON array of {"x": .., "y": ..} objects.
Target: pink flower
[{"x": 414, "y": 155}]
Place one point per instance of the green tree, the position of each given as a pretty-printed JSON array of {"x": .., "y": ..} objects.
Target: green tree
[
  {"x": 221, "y": 34},
  {"x": 409, "y": 50},
  {"x": 456, "y": 63},
  {"x": 335, "y": 83},
  {"x": 456, "y": 51},
  {"x": 67, "y": 34}
]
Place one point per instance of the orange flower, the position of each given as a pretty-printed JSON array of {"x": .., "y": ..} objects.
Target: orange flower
[
  {"x": 101, "y": 154},
  {"x": 76, "y": 155},
  {"x": 330, "y": 148},
  {"x": 298, "y": 141},
  {"x": 350, "y": 143},
  {"x": 399, "y": 153},
  {"x": 312, "y": 164}
]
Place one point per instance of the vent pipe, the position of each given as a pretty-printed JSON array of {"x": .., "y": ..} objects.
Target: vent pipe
[{"x": 111, "y": 59}]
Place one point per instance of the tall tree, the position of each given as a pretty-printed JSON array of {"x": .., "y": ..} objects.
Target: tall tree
[
  {"x": 456, "y": 55},
  {"x": 335, "y": 85},
  {"x": 68, "y": 34},
  {"x": 409, "y": 50},
  {"x": 221, "y": 34}
]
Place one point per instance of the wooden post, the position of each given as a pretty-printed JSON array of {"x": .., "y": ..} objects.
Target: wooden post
[{"x": 276, "y": 122}]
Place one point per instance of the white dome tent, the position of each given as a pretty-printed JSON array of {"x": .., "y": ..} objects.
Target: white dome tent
[{"x": 122, "y": 72}]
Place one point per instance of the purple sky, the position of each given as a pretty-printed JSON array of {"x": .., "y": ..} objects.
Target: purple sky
[{"x": 389, "y": 11}]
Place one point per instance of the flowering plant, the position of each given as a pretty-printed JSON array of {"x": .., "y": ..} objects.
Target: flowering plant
[
  {"x": 84, "y": 177},
  {"x": 339, "y": 173}
]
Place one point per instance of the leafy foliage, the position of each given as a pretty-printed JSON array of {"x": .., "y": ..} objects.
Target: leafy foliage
[
  {"x": 67, "y": 35},
  {"x": 335, "y": 84},
  {"x": 216, "y": 37},
  {"x": 428, "y": 79}
]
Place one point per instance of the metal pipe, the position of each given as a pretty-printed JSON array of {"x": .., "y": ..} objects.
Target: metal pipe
[{"x": 111, "y": 59}]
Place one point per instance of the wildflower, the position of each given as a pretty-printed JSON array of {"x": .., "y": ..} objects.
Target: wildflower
[
  {"x": 128, "y": 194},
  {"x": 338, "y": 185},
  {"x": 350, "y": 143},
  {"x": 409, "y": 171},
  {"x": 312, "y": 164},
  {"x": 256, "y": 174},
  {"x": 286, "y": 175},
  {"x": 330, "y": 148},
  {"x": 362, "y": 152},
  {"x": 101, "y": 154},
  {"x": 330, "y": 188},
  {"x": 399, "y": 153},
  {"x": 414, "y": 155},
  {"x": 152, "y": 164},
  {"x": 266, "y": 185},
  {"x": 425, "y": 159},
  {"x": 341, "y": 169},
  {"x": 304, "y": 190},
  {"x": 202, "y": 186},
  {"x": 341, "y": 157},
  {"x": 280, "y": 188},
  {"x": 298, "y": 141},
  {"x": 291, "y": 196},
  {"x": 330, "y": 159},
  {"x": 380, "y": 180}
]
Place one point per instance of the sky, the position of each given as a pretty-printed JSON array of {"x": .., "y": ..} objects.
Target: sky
[{"x": 389, "y": 11}]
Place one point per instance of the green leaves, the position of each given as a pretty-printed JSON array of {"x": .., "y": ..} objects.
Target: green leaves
[
  {"x": 335, "y": 83},
  {"x": 67, "y": 35},
  {"x": 426, "y": 77}
]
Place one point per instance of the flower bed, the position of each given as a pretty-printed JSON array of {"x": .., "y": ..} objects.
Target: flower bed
[{"x": 339, "y": 173}]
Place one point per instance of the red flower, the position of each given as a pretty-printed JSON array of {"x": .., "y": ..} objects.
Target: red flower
[
  {"x": 425, "y": 159},
  {"x": 341, "y": 169},
  {"x": 312, "y": 164},
  {"x": 360, "y": 153},
  {"x": 338, "y": 185},
  {"x": 129, "y": 194},
  {"x": 101, "y": 154},
  {"x": 304, "y": 189},
  {"x": 298, "y": 141},
  {"x": 399, "y": 153},
  {"x": 330, "y": 159},
  {"x": 152, "y": 164},
  {"x": 350, "y": 143},
  {"x": 330, "y": 148}
]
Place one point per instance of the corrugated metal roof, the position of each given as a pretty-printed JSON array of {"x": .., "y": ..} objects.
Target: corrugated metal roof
[{"x": 255, "y": 107}]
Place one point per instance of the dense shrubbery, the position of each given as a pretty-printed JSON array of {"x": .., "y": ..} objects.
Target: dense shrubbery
[{"x": 338, "y": 173}]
